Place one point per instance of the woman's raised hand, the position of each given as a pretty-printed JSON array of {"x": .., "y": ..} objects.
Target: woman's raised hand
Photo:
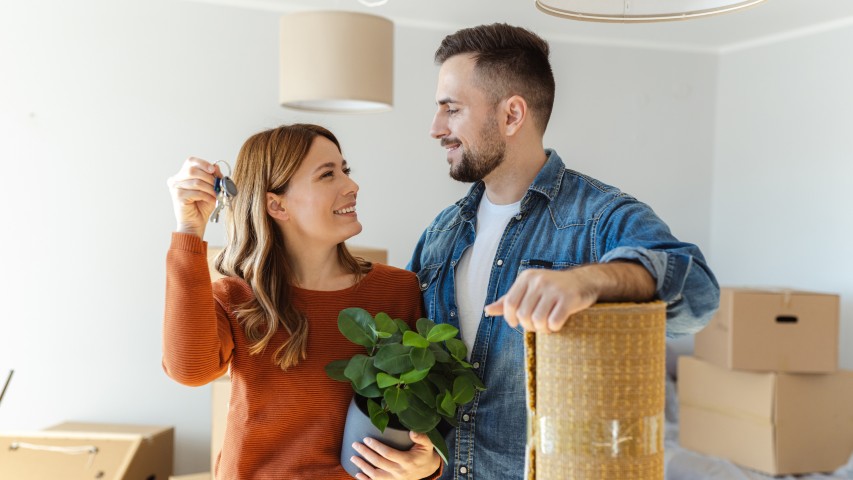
[{"x": 193, "y": 198}]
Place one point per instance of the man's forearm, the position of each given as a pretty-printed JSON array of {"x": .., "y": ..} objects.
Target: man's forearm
[{"x": 619, "y": 281}]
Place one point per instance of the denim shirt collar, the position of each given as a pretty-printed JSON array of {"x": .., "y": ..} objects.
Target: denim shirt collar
[{"x": 547, "y": 183}]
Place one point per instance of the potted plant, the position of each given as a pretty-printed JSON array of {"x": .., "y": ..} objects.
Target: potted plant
[{"x": 417, "y": 378}]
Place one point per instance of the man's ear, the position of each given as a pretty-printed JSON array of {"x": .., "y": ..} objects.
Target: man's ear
[
  {"x": 275, "y": 207},
  {"x": 515, "y": 108}
]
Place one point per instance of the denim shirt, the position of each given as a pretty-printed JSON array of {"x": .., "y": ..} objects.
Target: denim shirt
[{"x": 566, "y": 219}]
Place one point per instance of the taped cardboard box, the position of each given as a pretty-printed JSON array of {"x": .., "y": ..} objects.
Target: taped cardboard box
[
  {"x": 86, "y": 451},
  {"x": 772, "y": 330},
  {"x": 777, "y": 423}
]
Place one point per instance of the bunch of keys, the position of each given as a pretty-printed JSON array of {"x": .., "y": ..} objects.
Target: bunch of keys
[{"x": 225, "y": 189}]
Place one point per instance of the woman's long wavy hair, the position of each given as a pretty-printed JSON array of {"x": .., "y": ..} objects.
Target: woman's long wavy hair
[{"x": 255, "y": 250}]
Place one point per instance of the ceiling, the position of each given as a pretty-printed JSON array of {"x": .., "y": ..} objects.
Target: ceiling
[{"x": 767, "y": 22}]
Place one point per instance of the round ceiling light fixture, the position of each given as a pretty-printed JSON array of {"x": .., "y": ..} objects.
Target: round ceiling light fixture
[{"x": 638, "y": 11}]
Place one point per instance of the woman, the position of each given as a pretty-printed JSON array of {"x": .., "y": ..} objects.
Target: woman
[{"x": 273, "y": 318}]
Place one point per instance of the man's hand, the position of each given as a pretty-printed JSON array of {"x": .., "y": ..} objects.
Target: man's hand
[{"x": 543, "y": 300}]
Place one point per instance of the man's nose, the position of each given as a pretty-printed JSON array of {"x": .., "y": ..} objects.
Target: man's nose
[{"x": 438, "y": 129}]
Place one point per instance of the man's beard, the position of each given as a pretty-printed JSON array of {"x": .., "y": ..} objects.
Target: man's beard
[{"x": 476, "y": 164}]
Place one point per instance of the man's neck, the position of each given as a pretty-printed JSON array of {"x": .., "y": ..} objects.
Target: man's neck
[{"x": 509, "y": 182}]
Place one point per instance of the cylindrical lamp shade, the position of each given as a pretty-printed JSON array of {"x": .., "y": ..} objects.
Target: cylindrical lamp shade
[
  {"x": 336, "y": 62},
  {"x": 631, "y": 11},
  {"x": 596, "y": 395}
]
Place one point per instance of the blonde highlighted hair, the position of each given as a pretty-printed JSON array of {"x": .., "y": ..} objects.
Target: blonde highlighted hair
[{"x": 255, "y": 250}]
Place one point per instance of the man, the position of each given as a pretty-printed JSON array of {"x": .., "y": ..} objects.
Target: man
[{"x": 532, "y": 242}]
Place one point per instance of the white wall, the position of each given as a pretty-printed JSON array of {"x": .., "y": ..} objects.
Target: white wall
[
  {"x": 784, "y": 169},
  {"x": 101, "y": 100}
]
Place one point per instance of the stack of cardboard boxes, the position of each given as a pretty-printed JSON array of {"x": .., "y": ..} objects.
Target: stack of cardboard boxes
[{"x": 764, "y": 390}]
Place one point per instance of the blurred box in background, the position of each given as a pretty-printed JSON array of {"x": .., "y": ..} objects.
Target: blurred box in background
[
  {"x": 778, "y": 423},
  {"x": 86, "y": 451},
  {"x": 775, "y": 331}
]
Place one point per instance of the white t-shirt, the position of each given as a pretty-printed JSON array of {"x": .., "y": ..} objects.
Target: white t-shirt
[{"x": 475, "y": 266}]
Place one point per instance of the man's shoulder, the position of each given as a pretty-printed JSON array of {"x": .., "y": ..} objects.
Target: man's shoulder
[{"x": 447, "y": 219}]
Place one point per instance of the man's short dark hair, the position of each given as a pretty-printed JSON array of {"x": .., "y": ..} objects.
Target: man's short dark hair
[{"x": 508, "y": 61}]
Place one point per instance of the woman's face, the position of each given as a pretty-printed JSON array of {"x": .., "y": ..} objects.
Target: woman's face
[{"x": 320, "y": 200}]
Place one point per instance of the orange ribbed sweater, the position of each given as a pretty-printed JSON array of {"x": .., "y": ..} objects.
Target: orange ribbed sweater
[{"x": 281, "y": 425}]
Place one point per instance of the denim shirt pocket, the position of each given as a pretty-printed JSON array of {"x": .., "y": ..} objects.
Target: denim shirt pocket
[
  {"x": 427, "y": 279},
  {"x": 541, "y": 264}
]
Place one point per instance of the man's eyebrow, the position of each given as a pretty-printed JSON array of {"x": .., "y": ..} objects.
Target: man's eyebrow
[{"x": 445, "y": 101}]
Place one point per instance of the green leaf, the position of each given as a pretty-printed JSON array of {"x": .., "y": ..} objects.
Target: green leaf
[
  {"x": 419, "y": 417},
  {"x": 442, "y": 332},
  {"x": 412, "y": 339},
  {"x": 394, "y": 359},
  {"x": 413, "y": 376},
  {"x": 439, "y": 352},
  {"x": 424, "y": 325},
  {"x": 357, "y": 325},
  {"x": 397, "y": 400},
  {"x": 462, "y": 372},
  {"x": 385, "y": 324},
  {"x": 446, "y": 405},
  {"x": 439, "y": 443},
  {"x": 424, "y": 391},
  {"x": 422, "y": 358},
  {"x": 463, "y": 390},
  {"x": 403, "y": 326},
  {"x": 457, "y": 348},
  {"x": 361, "y": 371},
  {"x": 378, "y": 415},
  {"x": 383, "y": 380},
  {"x": 442, "y": 383},
  {"x": 335, "y": 370},
  {"x": 370, "y": 391}
]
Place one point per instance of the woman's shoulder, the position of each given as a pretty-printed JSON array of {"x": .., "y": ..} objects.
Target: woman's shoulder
[
  {"x": 382, "y": 270},
  {"x": 393, "y": 278},
  {"x": 232, "y": 291}
]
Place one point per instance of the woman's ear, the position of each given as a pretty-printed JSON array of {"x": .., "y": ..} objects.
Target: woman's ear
[
  {"x": 515, "y": 109},
  {"x": 275, "y": 207}
]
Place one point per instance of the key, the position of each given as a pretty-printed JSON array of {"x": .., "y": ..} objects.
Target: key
[{"x": 214, "y": 216}]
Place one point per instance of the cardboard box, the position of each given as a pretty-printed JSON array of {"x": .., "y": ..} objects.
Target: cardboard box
[
  {"x": 776, "y": 331},
  {"x": 193, "y": 476},
  {"x": 86, "y": 451},
  {"x": 778, "y": 423},
  {"x": 220, "y": 396},
  {"x": 375, "y": 255}
]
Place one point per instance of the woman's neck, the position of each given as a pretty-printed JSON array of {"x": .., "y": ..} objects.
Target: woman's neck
[{"x": 319, "y": 269}]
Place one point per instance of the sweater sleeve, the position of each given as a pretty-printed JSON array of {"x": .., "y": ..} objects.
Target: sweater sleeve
[{"x": 197, "y": 339}]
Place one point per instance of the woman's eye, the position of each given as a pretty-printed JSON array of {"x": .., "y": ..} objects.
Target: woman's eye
[
  {"x": 327, "y": 174},
  {"x": 347, "y": 171}
]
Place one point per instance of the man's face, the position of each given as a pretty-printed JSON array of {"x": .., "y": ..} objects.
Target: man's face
[{"x": 466, "y": 122}]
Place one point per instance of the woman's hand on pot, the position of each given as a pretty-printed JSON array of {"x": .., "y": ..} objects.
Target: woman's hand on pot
[{"x": 381, "y": 462}]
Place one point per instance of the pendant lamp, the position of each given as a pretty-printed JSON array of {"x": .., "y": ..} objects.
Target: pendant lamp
[
  {"x": 336, "y": 62},
  {"x": 636, "y": 11}
]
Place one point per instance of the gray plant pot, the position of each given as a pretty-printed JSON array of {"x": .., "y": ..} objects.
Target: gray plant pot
[{"x": 358, "y": 427}]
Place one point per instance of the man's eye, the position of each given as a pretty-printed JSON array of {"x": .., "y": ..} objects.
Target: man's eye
[{"x": 451, "y": 111}]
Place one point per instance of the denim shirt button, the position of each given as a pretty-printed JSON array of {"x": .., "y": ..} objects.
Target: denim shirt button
[
  {"x": 518, "y": 217},
  {"x": 466, "y": 417},
  {"x": 500, "y": 262},
  {"x": 476, "y": 365},
  {"x": 424, "y": 285},
  {"x": 463, "y": 470},
  {"x": 453, "y": 313}
]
